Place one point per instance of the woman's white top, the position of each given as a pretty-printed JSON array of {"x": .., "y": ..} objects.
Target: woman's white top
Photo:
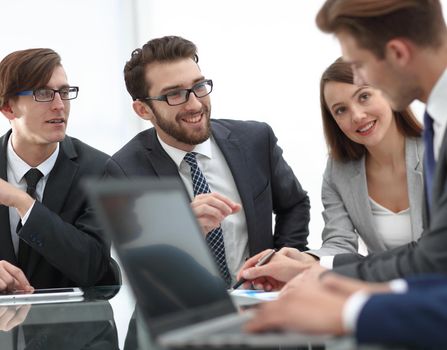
[{"x": 394, "y": 229}]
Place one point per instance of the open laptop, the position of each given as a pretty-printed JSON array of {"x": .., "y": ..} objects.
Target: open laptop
[{"x": 174, "y": 277}]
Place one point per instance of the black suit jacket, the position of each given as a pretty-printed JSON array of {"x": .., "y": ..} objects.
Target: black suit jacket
[
  {"x": 264, "y": 180},
  {"x": 67, "y": 245},
  {"x": 427, "y": 255}
]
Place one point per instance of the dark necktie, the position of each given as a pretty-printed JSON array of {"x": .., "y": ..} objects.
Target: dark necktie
[
  {"x": 32, "y": 177},
  {"x": 214, "y": 238},
  {"x": 429, "y": 157}
]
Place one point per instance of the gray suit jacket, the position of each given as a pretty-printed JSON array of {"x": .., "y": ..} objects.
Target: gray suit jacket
[
  {"x": 347, "y": 213},
  {"x": 427, "y": 255},
  {"x": 265, "y": 182}
]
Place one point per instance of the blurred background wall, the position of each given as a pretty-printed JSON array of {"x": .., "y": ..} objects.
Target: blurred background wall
[{"x": 265, "y": 58}]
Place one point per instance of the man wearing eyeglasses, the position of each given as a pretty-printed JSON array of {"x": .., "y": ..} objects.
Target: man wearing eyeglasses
[
  {"x": 48, "y": 235},
  {"x": 233, "y": 170}
]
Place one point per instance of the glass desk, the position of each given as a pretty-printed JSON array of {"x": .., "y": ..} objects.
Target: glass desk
[
  {"x": 103, "y": 321},
  {"x": 87, "y": 324}
]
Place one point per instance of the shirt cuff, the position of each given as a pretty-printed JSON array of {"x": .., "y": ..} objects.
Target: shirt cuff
[
  {"x": 26, "y": 216},
  {"x": 399, "y": 286},
  {"x": 327, "y": 262},
  {"x": 351, "y": 310}
]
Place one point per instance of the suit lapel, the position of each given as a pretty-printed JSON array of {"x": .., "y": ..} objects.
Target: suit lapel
[
  {"x": 162, "y": 164},
  {"x": 56, "y": 190},
  {"x": 360, "y": 200},
  {"x": 415, "y": 185},
  {"x": 6, "y": 246},
  {"x": 237, "y": 162}
]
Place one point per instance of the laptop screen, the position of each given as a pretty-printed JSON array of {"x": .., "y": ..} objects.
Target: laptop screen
[{"x": 169, "y": 266}]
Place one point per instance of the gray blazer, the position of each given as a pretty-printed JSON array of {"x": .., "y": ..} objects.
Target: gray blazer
[
  {"x": 427, "y": 255},
  {"x": 347, "y": 213}
]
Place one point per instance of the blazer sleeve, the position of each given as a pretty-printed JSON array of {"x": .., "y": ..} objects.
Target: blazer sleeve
[
  {"x": 64, "y": 244},
  {"x": 415, "y": 318},
  {"x": 339, "y": 235},
  {"x": 291, "y": 203},
  {"x": 113, "y": 170}
]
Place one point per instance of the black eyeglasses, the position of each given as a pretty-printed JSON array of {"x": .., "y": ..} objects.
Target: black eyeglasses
[
  {"x": 47, "y": 94},
  {"x": 180, "y": 96}
]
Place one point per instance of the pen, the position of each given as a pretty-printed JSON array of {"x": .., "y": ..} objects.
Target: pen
[{"x": 262, "y": 261}]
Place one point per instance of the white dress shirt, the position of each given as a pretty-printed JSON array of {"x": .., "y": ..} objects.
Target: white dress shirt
[
  {"x": 15, "y": 170},
  {"x": 214, "y": 167}
]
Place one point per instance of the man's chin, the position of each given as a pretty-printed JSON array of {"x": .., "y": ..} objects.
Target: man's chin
[{"x": 196, "y": 139}]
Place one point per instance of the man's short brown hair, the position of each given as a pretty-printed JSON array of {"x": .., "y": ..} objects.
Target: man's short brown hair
[
  {"x": 26, "y": 70},
  {"x": 374, "y": 22},
  {"x": 165, "y": 49}
]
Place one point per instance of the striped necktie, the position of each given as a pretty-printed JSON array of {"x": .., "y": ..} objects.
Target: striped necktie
[{"x": 214, "y": 238}]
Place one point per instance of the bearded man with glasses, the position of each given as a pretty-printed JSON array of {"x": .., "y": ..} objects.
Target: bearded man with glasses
[
  {"x": 233, "y": 170},
  {"x": 48, "y": 233}
]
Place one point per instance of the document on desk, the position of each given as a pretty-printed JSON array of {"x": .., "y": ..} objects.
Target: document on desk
[{"x": 249, "y": 296}]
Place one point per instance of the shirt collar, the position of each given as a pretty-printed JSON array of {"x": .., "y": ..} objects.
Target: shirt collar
[
  {"x": 19, "y": 167},
  {"x": 437, "y": 104},
  {"x": 177, "y": 155}
]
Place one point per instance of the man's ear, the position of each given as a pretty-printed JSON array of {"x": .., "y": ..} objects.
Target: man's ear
[
  {"x": 7, "y": 111},
  {"x": 399, "y": 52},
  {"x": 143, "y": 110}
]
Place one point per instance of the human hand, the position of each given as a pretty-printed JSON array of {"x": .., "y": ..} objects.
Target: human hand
[
  {"x": 211, "y": 208},
  {"x": 297, "y": 255},
  {"x": 12, "y": 278},
  {"x": 12, "y": 316},
  {"x": 346, "y": 286},
  {"x": 310, "y": 276},
  {"x": 311, "y": 309},
  {"x": 11, "y": 196},
  {"x": 271, "y": 276}
]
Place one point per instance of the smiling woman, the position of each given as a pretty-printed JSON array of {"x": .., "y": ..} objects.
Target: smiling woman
[{"x": 372, "y": 186}]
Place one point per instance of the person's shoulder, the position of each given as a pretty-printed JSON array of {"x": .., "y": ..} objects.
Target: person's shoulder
[
  {"x": 336, "y": 169},
  {"x": 243, "y": 129},
  {"x": 89, "y": 159},
  {"x": 82, "y": 149},
  {"x": 240, "y": 124},
  {"x": 139, "y": 142}
]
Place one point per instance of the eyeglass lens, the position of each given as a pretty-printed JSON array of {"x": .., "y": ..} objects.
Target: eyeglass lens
[
  {"x": 181, "y": 96},
  {"x": 67, "y": 93}
]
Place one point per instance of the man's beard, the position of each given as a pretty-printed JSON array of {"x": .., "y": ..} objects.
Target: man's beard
[{"x": 183, "y": 135}]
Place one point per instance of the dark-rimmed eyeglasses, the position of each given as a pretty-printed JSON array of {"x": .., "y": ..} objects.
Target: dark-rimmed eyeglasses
[
  {"x": 47, "y": 94},
  {"x": 180, "y": 96}
]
